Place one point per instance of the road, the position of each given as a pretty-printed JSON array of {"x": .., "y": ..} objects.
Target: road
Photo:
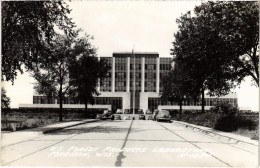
[{"x": 128, "y": 143}]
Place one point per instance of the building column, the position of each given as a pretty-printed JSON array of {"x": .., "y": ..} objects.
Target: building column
[
  {"x": 142, "y": 74},
  {"x": 128, "y": 75},
  {"x": 98, "y": 85},
  {"x": 113, "y": 74},
  {"x": 158, "y": 75}
]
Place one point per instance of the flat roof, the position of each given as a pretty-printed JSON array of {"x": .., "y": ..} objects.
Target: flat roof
[{"x": 139, "y": 54}]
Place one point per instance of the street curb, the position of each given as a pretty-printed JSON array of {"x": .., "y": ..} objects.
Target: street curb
[
  {"x": 213, "y": 134},
  {"x": 51, "y": 130}
]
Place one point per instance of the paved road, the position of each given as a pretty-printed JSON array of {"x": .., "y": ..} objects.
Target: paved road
[{"x": 128, "y": 143}]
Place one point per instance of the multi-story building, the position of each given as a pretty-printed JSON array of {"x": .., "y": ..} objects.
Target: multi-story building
[
  {"x": 134, "y": 77},
  {"x": 134, "y": 85}
]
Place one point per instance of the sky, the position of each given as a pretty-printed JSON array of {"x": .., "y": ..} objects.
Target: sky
[{"x": 145, "y": 26}]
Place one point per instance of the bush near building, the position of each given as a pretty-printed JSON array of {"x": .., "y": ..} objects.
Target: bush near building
[
  {"x": 231, "y": 123},
  {"x": 224, "y": 117}
]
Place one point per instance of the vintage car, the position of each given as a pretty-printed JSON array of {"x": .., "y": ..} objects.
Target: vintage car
[
  {"x": 141, "y": 117},
  {"x": 150, "y": 117},
  {"x": 127, "y": 118},
  {"x": 119, "y": 111},
  {"x": 163, "y": 115},
  {"x": 107, "y": 115},
  {"x": 117, "y": 117}
]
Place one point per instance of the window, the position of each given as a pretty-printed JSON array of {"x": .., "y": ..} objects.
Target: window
[
  {"x": 150, "y": 84},
  {"x": 106, "y": 84},
  {"x": 150, "y": 75},
  {"x": 120, "y": 67},
  {"x": 150, "y": 67},
  {"x": 137, "y": 66},
  {"x": 120, "y": 84},
  {"x": 137, "y": 84},
  {"x": 137, "y": 75},
  {"x": 121, "y": 75},
  {"x": 109, "y": 75}
]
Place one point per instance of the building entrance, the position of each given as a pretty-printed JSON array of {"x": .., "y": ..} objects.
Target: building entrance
[{"x": 135, "y": 102}]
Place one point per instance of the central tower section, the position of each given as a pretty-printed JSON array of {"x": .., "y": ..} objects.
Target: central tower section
[{"x": 136, "y": 72}]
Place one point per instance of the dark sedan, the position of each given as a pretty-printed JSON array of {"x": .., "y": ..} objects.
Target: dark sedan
[
  {"x": 141, "y": 117},
  {"x": 107, "y": 115}
]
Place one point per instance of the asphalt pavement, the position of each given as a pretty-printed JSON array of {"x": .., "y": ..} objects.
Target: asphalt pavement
[{"x": 128, "y": 143}]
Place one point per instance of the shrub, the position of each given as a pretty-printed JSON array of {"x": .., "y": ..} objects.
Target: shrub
[
  {"x": 255, "y": 134},
  {"x": 233, "y": 122},
  {"x": 226, "y": 123}
]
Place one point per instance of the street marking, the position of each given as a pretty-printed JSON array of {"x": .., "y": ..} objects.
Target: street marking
[
  {"x": 2, "y": 147},
  {"x": 194, "y": 145},
  {"x": 120, "y": 155},
  {"x": 132, "y": 140},
  {"x": 221, "y": 138},
  {"x": 50, "y": 145}
]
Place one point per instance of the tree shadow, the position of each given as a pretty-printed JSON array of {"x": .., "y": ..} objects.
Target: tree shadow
[{"x": 99, "y": 129}]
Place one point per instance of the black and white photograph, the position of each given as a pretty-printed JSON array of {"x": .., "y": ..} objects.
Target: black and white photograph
[{"x": 87, "y": 83}]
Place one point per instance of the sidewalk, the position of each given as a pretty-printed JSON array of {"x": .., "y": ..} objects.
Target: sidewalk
[
  {"x": 59, "y": 126},
  {"x": 226, "y": 136},
  {"x": 10, "y": 138}
]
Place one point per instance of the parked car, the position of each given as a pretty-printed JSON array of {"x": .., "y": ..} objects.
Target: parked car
[
  {"x": 127, "y": 118},
  {"x": 108, "y": 115},
  {"x": 141, "y": 117},
  {"x": 150, "y": 117},
  {"x": 148, "y": 112},
  {"x": 163, "y": 115},
  {"x": 119, "y": 111},
  {"x": 127, "y": 111},
  {"x": 139, "y": 111},
  {"x": 117, "y": 117}
]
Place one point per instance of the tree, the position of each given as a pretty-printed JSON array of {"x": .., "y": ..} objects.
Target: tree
[
  {"x": 225, "y": 108},
  {"x": 237, "y": 25},
  {"x": 5, "y": 101},
  {"x": 85, "y": 77},
  {"x": 26, "y": 28},
  {"x": 195, "y": 49},
  {"x": 177, "y": 86},
  {"x": 53, "y": 75}
]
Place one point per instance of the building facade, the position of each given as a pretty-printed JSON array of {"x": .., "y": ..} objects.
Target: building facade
[{"x": 133, "y": 85}]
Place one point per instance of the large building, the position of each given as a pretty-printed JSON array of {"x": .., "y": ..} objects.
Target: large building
[{"x": 134, "y": 85}]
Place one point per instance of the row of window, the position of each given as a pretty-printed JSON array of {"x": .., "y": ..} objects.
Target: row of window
[
  {"x": 137, "y": 75},
  {"x": 46, "y": 100},
  {"x": 154, "y": 102},
  {"x": 149, "y": 75},
  {"x": 147, "y": 66},
  {"x": 116, "y": 102},
  {"x": 43, "y": 100},
  {"x": 137, "y": 83},
  {"x": 165, "y": 66}
]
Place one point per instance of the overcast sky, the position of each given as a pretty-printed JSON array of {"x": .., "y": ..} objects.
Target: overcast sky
[{"x": 121, "y": 26}]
